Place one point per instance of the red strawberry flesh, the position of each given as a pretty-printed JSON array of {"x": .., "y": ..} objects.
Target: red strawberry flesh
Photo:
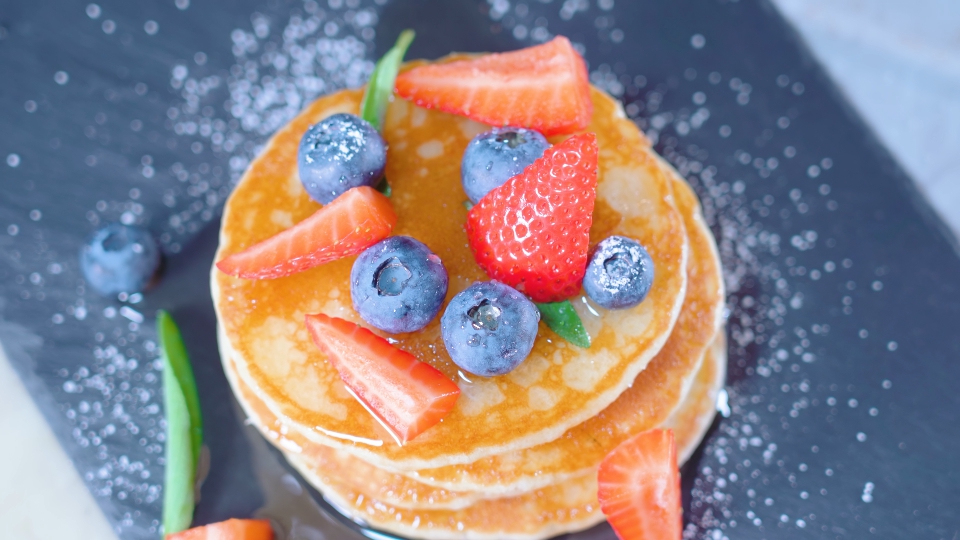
[
  {"x": 405, "y": 395},
  {"x": 231, "y": 529},
  {"x": 350, "y": 224},
  {"x": 639, "y": 488},
  {"x": 533, "y": 232},
  {"x": 544, "y": 87}
]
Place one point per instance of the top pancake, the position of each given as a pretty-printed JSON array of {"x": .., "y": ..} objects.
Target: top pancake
[
  {"x": 654, "y": 396},
  {"x": 262, "y": 321}
]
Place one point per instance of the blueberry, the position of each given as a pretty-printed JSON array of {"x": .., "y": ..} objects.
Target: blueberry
[
  {"x": 398, "y": 284},
  {"x": 119, "y": 258},
  {"x": 619, "y": 274},
  {"x": 489, "y": 328},
  {"x": 341, "y": 152},
  {"x": 494, "y": 157}
]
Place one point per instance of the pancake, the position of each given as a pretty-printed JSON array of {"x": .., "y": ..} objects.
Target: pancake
[
  {"x": 568, "y": 506},
  {"x": 694, "y": 416},
  {"x": 261, "y": 322},
  {"x": 689, "y": 420},
  {"x": 653, "y": 396},
  {"x": 341, "y": 467}
]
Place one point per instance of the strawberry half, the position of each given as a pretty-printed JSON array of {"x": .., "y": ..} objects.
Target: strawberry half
[
  {"x": 544, "y": 87},
  {"x": 231, "y": 529},
  {"x": 640, "y": 488},
  {"x": 532, "y": 233},
  {"x": 350, "y": 224},
  {"x": 405, "y": 395}
]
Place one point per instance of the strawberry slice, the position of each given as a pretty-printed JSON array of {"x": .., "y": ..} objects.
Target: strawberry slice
[
  {"x": 640, "y": 487},
  {"x": 350, "y": 224},
  {"x": 405, "y": 395},
  {"x": 544, "y": 87},
  {"x": 231, "y": 529},
  {"x": 532, "y": 233}
]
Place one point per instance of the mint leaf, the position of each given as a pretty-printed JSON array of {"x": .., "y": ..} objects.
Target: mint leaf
[
  {"x": 384, "y": 187},
  {"x": 380, "y": 87},
  {"x": 174, "y": 354},
  {"x": 180, "y": 462},
  {"x": 184, "y": 438},
  {"x": 564, "y": 321}
]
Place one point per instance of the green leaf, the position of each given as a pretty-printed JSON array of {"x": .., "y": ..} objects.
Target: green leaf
[
  {"x": 174, "y": 355},
  {"x": 468, "y": 205},
  {"x": 181, "y": 465},
  {"x": 563, "y": 319},
  {"x": 380, "y": 87},
  {"x": 184, "y": 427},
  {"x": 384, "y": 187}
]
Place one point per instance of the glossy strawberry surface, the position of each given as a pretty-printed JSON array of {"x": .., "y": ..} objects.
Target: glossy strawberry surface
[
  {"x": 544, "y": 87},
  {"x": 639, "y": 487},
  {"x": 405, "y": 395},
  {"x": 350, "y": 224},
  {"x": 532, "y": 233},
  {"x": 231, "y": 529}
]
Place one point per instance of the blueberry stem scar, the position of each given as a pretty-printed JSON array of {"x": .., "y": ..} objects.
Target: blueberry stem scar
[{"x": 485, "y": 316}]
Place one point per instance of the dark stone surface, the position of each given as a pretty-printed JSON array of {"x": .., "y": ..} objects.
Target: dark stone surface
[{"x": 835, "y": 264}]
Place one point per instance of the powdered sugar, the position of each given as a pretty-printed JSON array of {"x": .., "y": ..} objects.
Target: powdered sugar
[
  {"x": 109, "y": 389},
  {"x": 219, "y": 116},
  {"x": 763, "y": 274}
]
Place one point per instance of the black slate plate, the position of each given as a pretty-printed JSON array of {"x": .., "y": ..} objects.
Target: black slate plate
[{"x": 843, "y": 283}]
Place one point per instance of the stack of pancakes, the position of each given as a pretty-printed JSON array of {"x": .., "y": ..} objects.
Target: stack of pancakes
[{"x": 517, "y": 457}]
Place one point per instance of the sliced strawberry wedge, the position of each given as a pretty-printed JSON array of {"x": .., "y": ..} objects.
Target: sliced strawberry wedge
[
  {"x": 640, "y": 488},
  {"x": 532, "y": 233},
  {"x": 405, "y": 395},
  {"x": 350, "y": 224},
  {"x": 544, "y": 87},
  {"x": 231, "y": 529}
]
